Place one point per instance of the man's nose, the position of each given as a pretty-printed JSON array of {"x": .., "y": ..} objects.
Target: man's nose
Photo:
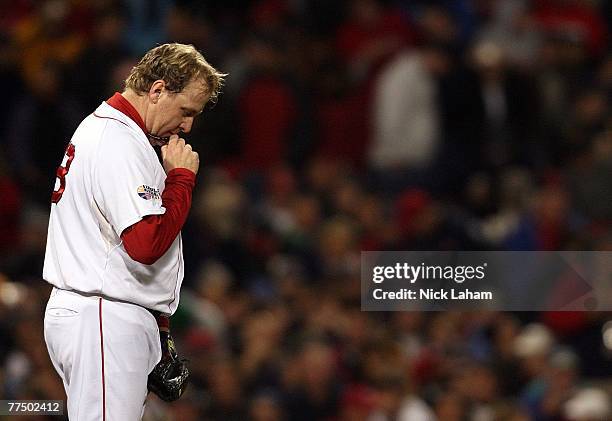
[{"x": 186, "y": 124}]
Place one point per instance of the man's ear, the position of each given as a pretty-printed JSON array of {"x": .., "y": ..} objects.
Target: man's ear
[{"x": 155, "y": 91}]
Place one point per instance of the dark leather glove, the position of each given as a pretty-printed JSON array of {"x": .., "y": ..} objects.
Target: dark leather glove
[{"x": 168, "y": 379}]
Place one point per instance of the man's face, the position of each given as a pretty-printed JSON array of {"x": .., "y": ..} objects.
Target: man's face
[{"x": 174, "y": 112}]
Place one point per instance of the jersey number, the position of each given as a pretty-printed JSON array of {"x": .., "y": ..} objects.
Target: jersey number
[{"x": 61, "y": 174}]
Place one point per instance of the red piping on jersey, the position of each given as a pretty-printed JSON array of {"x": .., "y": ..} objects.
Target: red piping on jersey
[
  {"x": 110, "y": 118},
  {"x": 102, "y": 353},
  {"x": 149, "y": 239},
  {"x": 177, "y": 280},
  {"x": 121, "y": 104}
]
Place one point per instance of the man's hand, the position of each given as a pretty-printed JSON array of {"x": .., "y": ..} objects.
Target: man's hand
[{"x": 177, "y": 154}]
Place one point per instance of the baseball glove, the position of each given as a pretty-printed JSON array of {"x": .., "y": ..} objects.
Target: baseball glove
[{"x": 168, "y": 379}]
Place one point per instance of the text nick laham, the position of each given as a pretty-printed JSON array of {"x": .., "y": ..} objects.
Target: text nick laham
[
  {"x": 453, "y": 294},
  {"x": 432, "y": 294}
]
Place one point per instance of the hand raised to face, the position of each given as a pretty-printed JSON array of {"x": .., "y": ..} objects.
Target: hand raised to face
[{"x": 178, "y": 154}]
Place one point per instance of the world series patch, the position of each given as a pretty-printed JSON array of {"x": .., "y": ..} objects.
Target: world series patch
[{"x": 148, "y": 193}]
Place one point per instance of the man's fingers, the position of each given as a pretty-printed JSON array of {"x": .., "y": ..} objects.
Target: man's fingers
[
  {"x": 179, "y": 154},
  {"x": 173, "y": 140}
]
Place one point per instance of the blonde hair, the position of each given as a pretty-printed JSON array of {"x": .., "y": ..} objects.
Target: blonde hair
[{"x": 177, "y": 65}]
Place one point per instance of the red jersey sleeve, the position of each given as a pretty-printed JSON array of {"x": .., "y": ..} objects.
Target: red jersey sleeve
[{"x": 149, "y": 239}]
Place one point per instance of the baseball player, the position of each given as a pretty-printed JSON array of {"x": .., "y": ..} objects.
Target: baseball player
[{"x": 114, "y": 250}]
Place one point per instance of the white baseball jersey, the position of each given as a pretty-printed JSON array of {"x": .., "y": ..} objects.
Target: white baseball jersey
[{"x": 111, "y": 179}]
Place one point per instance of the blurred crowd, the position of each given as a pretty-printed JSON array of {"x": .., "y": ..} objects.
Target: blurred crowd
[{"x": 344, "y": 126}]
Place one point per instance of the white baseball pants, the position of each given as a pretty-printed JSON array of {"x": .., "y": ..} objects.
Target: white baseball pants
[{"x": 104, "y": 351}]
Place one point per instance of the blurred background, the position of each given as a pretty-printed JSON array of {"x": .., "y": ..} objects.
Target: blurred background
[{"x": 344, "y": 126}]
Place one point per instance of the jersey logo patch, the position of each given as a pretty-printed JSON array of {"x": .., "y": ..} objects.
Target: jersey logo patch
[{"x": 148, "y": 193}]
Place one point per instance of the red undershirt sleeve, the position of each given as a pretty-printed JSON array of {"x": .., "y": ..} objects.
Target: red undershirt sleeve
[{"x": 149, "y": 239}]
